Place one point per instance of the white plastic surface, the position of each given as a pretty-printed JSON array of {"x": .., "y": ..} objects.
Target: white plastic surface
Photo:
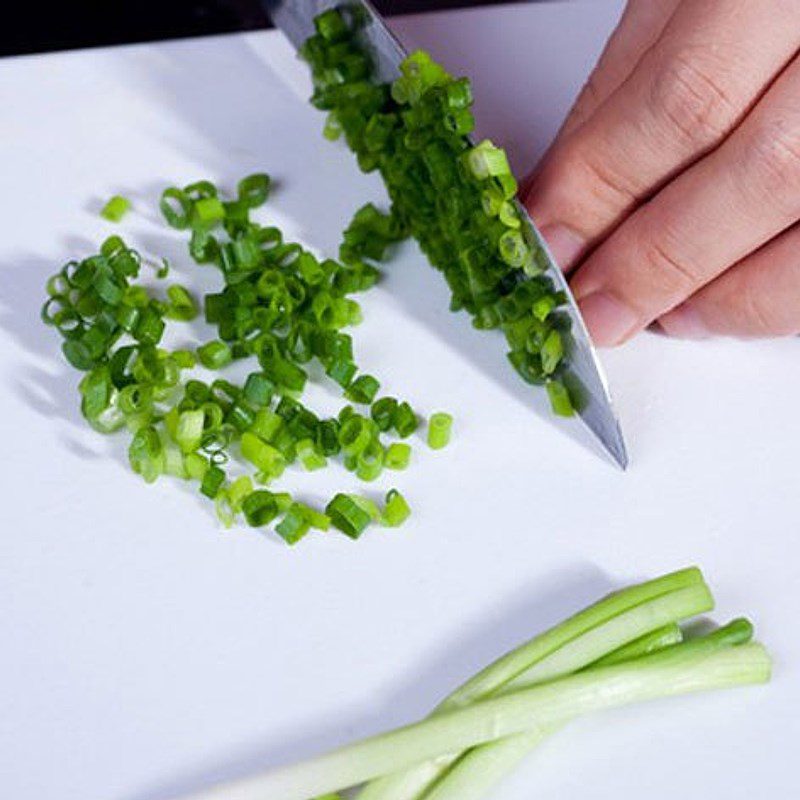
[{"x": 145, "y": 652}]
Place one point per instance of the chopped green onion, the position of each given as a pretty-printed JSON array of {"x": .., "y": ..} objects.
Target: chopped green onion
[
  {"x": 370, "y": 460},
  {"x": 207, "y": 212},
  {"x": 456, "y": 199},
  {"x": 355, "y": 435},
  {"x": 332, "y": 27},
  {"x": 176, "y": 208},
  {"x": 347, "y": 515},
  {"x": 266, "y": 458},
  {"x": 239, "y": 491},
  {"x": 294, "y": 525},
  {"x": 214, "y": 355},
  {"x": 116, "y": 208},
  {"x": 396, "y": 511},
  {"x": 485, "y": 160},
  {"x": 559, "y": 398},
  {"x": 280, "y": 304},
  {"x": 254, "y": 189},
  {"x": 342, "y": 371},
  {"x": 200, "y": 190},
  {"x": 404, "y": 420},
  {"x": 309, "y": 457},
  {"x": 182, "y": 305},
  {"x": 398, "y": 456},
  {"x": 363, "y": 389},
  {"x": 552, "y": 351},
  {"x": 543, "y": 306},
  {"x": 382, "y": 412},
  {"x": 196, "y": 466},
  {"x": 212, "y": 482},
  {"x": 146, "y": 454},
  {"x": 258, "y": 389},
  {"x": 316, "y": 519},
  {"x": 260, "y": 508},
  {"x": 439, "y": 428}
]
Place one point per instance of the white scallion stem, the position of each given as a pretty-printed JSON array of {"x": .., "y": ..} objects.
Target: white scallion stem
[
  {"x": 678, "y": 670},
  {"x": 607, "y": 625}
]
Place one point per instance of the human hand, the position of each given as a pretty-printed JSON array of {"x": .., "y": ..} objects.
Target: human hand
[{"x": 673, "y": 189}]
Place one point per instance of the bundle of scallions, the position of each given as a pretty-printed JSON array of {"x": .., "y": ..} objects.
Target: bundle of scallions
[{"x": 627, "y": 647}]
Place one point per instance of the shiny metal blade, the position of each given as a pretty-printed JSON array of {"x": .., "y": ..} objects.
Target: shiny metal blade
[{"x": 586, "y": 379}]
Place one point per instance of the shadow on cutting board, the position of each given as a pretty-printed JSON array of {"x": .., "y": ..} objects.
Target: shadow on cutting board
[
  {"x": 45, "y": 383},
  {"x": 519, "y": 616}
]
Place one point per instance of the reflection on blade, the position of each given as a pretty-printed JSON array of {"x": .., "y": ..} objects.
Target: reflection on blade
[{"x": 586, "y": 380}]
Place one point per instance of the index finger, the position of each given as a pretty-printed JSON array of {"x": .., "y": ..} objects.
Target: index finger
[
  {"x": 640, "y": 27},
  {"x": 687, "y": 93}
]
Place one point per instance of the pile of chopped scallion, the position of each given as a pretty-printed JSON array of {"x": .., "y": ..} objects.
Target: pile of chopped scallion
[
  {"x": 455, "y": 199},
  {"x": 280, "y": 306}
]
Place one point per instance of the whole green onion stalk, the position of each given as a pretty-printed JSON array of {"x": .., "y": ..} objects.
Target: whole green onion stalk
[{"x": 621, "y": 650}]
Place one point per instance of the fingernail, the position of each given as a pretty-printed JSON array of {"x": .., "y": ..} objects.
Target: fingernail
[
  {"x": 684, "y": 323},
  {"x": 610, "y": 321},
  {"x": 565, "y": 245}
]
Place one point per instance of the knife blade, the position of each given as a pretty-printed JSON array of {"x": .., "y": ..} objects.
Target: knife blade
[{"x": 585, "y": 378}]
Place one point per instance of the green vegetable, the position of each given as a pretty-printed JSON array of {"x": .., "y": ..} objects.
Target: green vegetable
[
  {"x": 497, "y": 729},
  {"x": 363, "y": 389},
  {"x": 214, "y": 355},
  {"x": 559, "y": 398},
  {"x": 396, "y": 511},
  {"x": 404, "y": 420},
  {"x": 370, "y": 461},
  {"x": 260, "y": 508},
  {"x": 605, "y": 627},
  {"x": 207, "y": 212},
  {"x": 279, "y": 305},
  {"x": 176, "y": 207},
  {"x": 382, "y": 412},
  {"x": 181, "y": 305},
  {"x": 456, "y": 199},
  {"x": 439, "y": 428},
  {"x": 116, "y": 208},
  {"x": 348, "y": 515},
  {"x": 254, "y": 189},
  {"x": 398, "y": 454},
  {"x": 475, "y": 775},
  {"x": 294, "y": 525},
  {"x": 659, "y": 675}
]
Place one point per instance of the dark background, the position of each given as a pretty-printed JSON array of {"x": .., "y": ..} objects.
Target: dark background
[{"x": 35, "y": 27}]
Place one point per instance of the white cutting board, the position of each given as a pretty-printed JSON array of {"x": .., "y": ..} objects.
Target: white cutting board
[{"x": 144, "y": 651}]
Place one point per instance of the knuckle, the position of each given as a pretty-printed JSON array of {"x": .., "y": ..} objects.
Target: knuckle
[
  {"x": 691, "y": 100},
  {"x": 591, "y": 93},
  {"x": 673, "y": 275},
  {"x": 773, "y": 154},
  {"x": 761, "y": 318},
  {"x": 607, "y": 189}
]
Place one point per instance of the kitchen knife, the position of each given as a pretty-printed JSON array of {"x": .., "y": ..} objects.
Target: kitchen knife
[{"x": 585, "y": 377}]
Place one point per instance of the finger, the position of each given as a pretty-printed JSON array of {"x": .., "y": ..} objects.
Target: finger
[
  {"x": 709, "y": 218},
  {"x": 641, "y": 24},
  {"x": 712, "y": 62},
  {"x": 759, "y": 297}
]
